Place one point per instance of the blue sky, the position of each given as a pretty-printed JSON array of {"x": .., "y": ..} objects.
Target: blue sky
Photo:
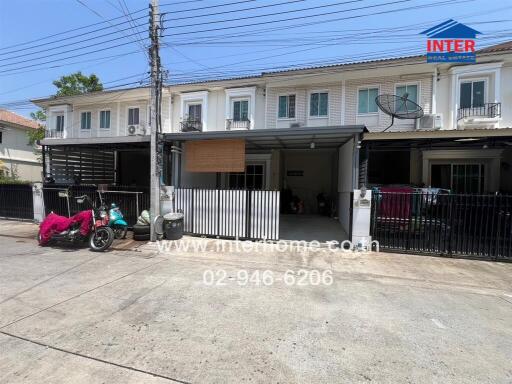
[{"x": 255, "y": 39}]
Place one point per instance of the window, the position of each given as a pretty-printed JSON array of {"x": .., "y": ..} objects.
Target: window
[
  {"x": 286, "y": 107},
  {"x": 252, "y": 178},
  {"x": 133, "y": 116},
  {"x": 366, "y": 100},
  {"x": 240, "y": 110},
  {"x": 412, "y": 94},
  {"x": 472, "y": 94},
  {"x": 85, "y": 120},
  {"x": 59, "y": 123},
  {"x": 318, "y": 104},
  {"x": 460, "y": 178},
  {"x": 105, "y": 119},
  {"x": 194, "y": 112}
]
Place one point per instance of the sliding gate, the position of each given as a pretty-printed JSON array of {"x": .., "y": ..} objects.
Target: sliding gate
[
  {"x": 243, "y": 214},
  {"x": 477, "y": 226}
]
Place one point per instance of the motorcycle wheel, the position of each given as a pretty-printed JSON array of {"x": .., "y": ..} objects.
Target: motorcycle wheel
[
  {"x": 120, "y": 232},
  {"x": 101, "y": 239},
  {"x": 39, "y": 239}
]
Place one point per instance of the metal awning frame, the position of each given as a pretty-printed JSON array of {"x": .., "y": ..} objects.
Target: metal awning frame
[{"x": 284, "y": 138}]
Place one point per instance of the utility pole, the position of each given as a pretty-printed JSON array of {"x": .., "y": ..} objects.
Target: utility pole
[{"x": 156, "y": 91}]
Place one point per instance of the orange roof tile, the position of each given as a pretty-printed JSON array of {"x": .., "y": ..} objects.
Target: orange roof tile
[{"x": 13, "y": 118}]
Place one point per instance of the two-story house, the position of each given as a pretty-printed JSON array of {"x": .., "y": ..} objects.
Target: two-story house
[
  {"x": 16, "y": 153},
  {"x": 314, "y": 134}
]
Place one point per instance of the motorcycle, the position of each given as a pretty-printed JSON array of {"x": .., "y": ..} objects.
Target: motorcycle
[
  {"x": 115, "y": 219},
  {"x": 95, "y": 231},
  {"x": 117, "y": 222}
]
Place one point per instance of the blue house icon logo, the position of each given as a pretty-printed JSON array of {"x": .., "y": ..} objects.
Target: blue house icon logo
[{"x": 451, "y": 42}]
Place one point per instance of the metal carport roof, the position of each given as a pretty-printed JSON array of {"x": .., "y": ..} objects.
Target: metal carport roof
[{"x": 285, "y": 138}]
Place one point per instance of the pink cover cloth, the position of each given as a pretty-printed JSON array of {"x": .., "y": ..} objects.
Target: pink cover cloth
[
  {"x": 396, "y": 202},
  {"x": 54, "y": 224}
]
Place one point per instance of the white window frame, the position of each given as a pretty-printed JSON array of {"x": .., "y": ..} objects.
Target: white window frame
[
  {"x": 288, "y": 94},
  {"x": 472, "y": 80},
  {"x": 418, "y": 87},
  {"x": 368, "y": 87},
  {"x": 465, "y": 72},
  {"x": 235, "y": 99},
  {"x": 192, "y": 103},
  {"x": 200, "y": 97},
  {"x": 248, "y": 93},
  {"x": 90, "y": 122},
  {"x": 57, "y": 115},
  {"x": 109, "y": 119},
  {"x": 128, "y": 114},
  {"x": 418, "y": 97},
  {"x": 252, "y": 159},
  {"x": 328, "y": 103}
]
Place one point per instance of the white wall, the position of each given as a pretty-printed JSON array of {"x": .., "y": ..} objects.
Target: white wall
[
  {"x": 18, "y": 155},
  {"x": 317, "y": 167},
  {"x": 345, "y": 182}
]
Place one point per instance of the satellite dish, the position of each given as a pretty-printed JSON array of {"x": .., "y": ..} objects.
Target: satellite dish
[{"x": 398, "y": 107}]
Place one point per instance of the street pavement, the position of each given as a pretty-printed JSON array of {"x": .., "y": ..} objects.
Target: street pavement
[{"x": 69, "y": 315}]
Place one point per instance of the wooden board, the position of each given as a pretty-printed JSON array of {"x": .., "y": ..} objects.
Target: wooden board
[{"x": 215, "y": 156}]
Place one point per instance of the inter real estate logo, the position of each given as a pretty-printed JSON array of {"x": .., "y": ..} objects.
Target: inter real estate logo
[{"x": 451, "y": 42}]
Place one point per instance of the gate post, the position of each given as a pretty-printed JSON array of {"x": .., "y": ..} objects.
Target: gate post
[
  {"x": 361, "y": 219},
  {"x": 38, "y": 202}
]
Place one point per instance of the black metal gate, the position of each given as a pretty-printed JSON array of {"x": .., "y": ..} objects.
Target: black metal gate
[
  {"x": 131, "y": 200},
  {"x": 477, "y": 226},
  {"x": 16, "y": 201}
]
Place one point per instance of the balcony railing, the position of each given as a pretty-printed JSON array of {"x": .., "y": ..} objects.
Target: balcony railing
[
  {"x": 238, "y": 124},
  {"x": 191, "y": 126},
  {"x": 54, "y": 134},
  {"x": 487, "y": 110}
]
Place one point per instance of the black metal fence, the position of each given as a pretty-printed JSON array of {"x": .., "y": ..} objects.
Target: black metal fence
[
  {"x": 477, "y": 226},
  {"x": 16, "y": 201},
  {"x": 60, "y": 199},
  {"x": 490, "y": 110}
]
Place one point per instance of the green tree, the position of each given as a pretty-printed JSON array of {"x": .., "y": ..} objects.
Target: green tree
[
  {"x": 39, "y": 116},
  {"x": 68, "y": 85},
  {"x": 77, "y": 83}
]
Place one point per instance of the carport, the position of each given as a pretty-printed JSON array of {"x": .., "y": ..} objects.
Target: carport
[
  {"x": 276, "y": 192},
  {"x": 118, "y": 166}
]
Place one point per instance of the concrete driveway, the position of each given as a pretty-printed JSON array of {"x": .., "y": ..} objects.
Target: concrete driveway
[{"x": 72, "y": 316}]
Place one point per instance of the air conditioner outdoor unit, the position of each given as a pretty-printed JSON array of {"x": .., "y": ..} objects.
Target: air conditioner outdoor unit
[
  {"x": 430, "y": 122},
  {"x": 295, "y": 125},
  {"x": 136, "y": 130}
]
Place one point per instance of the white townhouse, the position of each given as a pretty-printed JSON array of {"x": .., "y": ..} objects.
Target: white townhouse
[
  {"x": 19, "y": 158},
  {"x": 313, "y": 134}
]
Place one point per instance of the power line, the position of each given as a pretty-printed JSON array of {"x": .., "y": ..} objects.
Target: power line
[
  {"x": 326, "y": 13},
  {"x": 284, "y": 13},
  {"x": 238, "y": 10},
  {"x": 137, "y": 41},
  {"x": 268, "y": 30},
  {"x": 18, "y": 45},
  {"x": 72, "y": 63},
  {"x": 132, "y": 23}
]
